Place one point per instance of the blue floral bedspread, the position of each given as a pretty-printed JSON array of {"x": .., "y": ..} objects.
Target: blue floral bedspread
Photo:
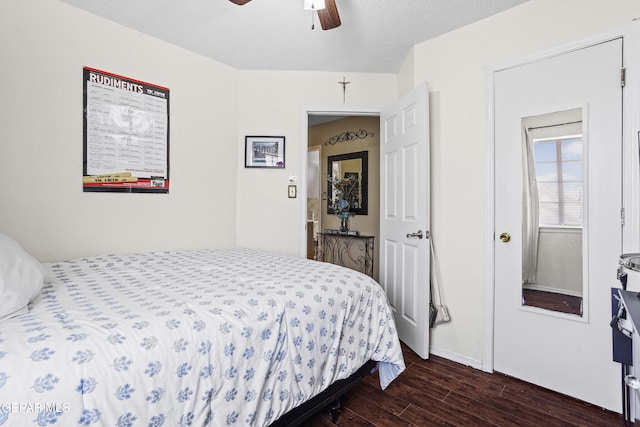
[{"x": 206, "y": 337}]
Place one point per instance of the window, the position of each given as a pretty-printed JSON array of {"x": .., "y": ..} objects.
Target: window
[{"x": 559, "y": 173}]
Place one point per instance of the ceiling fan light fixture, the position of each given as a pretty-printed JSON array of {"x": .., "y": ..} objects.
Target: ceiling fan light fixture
[{"x": 314, "y": 4}]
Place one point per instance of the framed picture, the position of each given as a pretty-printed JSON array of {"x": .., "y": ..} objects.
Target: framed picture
[
  {"x": 121, "y": 115},
  {"x": 264, "y": 152}
]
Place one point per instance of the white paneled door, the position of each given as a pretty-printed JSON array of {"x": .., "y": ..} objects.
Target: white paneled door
[
  {"x": 567, "y": 353},
  {"x": 404, "y": 216}
]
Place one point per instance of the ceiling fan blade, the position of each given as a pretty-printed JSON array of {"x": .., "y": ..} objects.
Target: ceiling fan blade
[
  {"x": 239, "y": 2},
  {"x": 328, "y": 16}
]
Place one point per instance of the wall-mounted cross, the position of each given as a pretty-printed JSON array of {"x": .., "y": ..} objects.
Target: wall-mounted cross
[{"x": 344, "y": 84}]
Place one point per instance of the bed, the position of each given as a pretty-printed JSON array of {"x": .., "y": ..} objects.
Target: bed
[{"x": 214, "y": 337}]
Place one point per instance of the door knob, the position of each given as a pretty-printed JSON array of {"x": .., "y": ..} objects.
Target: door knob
[
  {"x": 505, "y": 237},
  {"x": 418, "y": 234}
]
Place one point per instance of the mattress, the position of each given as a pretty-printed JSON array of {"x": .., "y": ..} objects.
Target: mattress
[{"x": 191, "y": 338}]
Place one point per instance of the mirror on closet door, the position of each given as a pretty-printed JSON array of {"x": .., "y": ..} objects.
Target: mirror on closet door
[{"x": 553, "y": 223}]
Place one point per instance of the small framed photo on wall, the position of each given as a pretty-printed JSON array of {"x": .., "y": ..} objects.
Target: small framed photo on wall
[{"x": 264, "y": 152}]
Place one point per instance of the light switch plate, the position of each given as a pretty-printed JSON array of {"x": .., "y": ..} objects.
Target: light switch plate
[{"x": 293, "y": 192}]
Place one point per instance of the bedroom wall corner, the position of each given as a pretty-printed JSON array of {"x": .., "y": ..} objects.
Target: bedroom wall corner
[
  {"x": 45, "y": 45},
  {"x": 406, "y": 74}
]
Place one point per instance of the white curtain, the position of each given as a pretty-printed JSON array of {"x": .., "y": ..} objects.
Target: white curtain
[{"x": 530, "y": 212}]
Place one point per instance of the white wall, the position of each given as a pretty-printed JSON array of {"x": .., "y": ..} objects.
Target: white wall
[
  {"x": 405, "y": 77},
  {"x": 271, "y": 103},
  {"x": 454, "y": 65},
  {"x": 44, "y": 46}
]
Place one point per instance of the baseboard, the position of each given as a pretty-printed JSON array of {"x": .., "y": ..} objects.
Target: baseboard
[{"x": 455, "y": 357}]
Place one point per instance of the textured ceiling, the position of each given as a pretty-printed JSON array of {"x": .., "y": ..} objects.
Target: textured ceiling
[{"x": 375, "y": 35}]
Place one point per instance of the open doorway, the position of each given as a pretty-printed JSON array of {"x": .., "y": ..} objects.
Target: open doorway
[
  {"x": 332, "y": 139},
  {"x": 405, "y": 173}
]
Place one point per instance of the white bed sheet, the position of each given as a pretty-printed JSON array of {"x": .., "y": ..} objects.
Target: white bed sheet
[{"x": 208, "y": 337}]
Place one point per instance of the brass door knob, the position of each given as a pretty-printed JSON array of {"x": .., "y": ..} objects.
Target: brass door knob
[{"x": 505, "y": 237}]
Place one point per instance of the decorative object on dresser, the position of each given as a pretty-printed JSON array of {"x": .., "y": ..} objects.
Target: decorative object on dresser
[{"x": 345, "y": 196}]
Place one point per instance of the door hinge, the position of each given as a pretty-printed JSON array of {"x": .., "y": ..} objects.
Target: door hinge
[{"x": 622, "y": 76}]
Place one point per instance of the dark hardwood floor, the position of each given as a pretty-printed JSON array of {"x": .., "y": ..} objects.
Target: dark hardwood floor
[{"x": 439, "y": 392}]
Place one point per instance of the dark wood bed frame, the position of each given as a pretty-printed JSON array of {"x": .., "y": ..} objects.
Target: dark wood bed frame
[{"x": 329, "y": 398}]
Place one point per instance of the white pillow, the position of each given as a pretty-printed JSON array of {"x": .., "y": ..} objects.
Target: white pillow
[{"x": 21, "y": 278}]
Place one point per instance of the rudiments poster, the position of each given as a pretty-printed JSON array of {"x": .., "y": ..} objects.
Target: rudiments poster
[{"x": 126, "y": 134}]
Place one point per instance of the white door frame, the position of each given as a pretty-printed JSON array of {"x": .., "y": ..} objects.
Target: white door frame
[
  {"x": 304, "y": 143},
  {"x": 630, "y": 166}
]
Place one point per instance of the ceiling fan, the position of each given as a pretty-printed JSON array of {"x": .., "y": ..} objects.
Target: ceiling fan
[{"x": 328, "y": 16}]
